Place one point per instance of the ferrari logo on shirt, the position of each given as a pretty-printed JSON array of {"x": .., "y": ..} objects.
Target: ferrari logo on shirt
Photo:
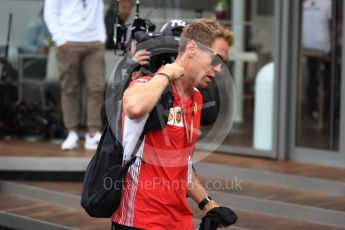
[
  {"x": 171, "y": 116},
  {"x": 178, "y": 116},
  {"x": 195, "y": 108},
  {"x": 175, "y": 117}
]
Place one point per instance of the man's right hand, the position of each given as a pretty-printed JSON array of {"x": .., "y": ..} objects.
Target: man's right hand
[{"x": 173, "y": 70}]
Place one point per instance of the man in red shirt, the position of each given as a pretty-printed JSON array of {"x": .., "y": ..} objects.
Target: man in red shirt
[{"x": 156, "y": 185}]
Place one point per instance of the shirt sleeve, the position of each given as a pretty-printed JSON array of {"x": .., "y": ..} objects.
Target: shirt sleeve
[
  {"x": 101, "y": 27},
  {"x": 51, "y": 16}
]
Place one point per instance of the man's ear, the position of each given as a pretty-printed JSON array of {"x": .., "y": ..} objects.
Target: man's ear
[{"x": 191, "y": 49}]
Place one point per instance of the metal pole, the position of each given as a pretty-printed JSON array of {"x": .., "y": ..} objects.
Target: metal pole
[
  {"x": 333, "y": 76},
  {"x": 238, "y": 17},
  {"x": 137, "y": 9},
  {"x": 116, "y": 24}
]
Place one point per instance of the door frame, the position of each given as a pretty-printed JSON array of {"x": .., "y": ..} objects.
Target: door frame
[{"x": 303, "y": 154}]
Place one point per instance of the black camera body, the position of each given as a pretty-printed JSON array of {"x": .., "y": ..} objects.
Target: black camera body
[{"x": 140, "y": 35}]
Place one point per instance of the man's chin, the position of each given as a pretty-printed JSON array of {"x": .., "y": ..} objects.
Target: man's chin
[{"x": 203, "y": 84}]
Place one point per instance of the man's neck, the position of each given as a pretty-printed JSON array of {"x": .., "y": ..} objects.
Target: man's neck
[{"x": 184, "y": 85}]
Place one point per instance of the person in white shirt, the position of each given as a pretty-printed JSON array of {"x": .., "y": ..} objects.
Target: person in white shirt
[
  {"x": 317, "y": 15},
  {"x": 77, "y": 28}
]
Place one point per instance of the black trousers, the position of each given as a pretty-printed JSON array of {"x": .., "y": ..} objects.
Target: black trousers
[{"x": 116, "y": 226}]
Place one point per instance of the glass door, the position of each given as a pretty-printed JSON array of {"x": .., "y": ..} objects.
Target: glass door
[
  {"x": 317, "y": 100},
  {"x": 254, "y": 24}
]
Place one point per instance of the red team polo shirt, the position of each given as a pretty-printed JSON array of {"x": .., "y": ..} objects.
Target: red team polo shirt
[{"x": 154, "y": 194}]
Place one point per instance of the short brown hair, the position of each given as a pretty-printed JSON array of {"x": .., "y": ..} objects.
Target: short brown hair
[{"x": 205, "y": 31}]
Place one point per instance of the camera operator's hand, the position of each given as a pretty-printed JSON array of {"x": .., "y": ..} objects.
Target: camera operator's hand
[
  {"x": 142, "y": 57},
  {"x": 173, "y": 70}
]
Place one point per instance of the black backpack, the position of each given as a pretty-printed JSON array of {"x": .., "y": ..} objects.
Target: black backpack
[{"x": 103, "y": 180}]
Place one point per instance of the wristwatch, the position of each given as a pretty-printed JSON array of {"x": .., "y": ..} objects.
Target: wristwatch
[{"x": 204, "y": 202}]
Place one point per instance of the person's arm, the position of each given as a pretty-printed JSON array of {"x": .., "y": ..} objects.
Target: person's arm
[
  {"x": 100, "y": 19},
  {"x": 51, "y": 17},
  {"x": 140, "y": 99},
  {"x": 197, "y": 192}
]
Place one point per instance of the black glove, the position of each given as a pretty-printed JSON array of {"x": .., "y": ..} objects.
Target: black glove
[{"x": 218, "y": 216}]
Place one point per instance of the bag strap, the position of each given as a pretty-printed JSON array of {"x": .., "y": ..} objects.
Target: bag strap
[
  {"x": 135, "y": 150},
  {"x": 146, "y": 72}
]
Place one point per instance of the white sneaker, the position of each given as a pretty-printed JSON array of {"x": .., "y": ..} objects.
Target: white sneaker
[
  {"x": 92, "y": 142},
  {"x": 71, "y": 142}
]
